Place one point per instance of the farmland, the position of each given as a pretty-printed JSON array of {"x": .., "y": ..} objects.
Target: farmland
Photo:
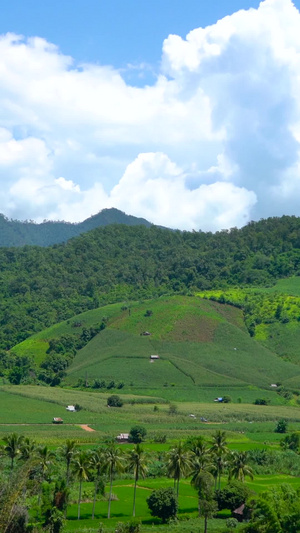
[{"x": 205, "y": 351}]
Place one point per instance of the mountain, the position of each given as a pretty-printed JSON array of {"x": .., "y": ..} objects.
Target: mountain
[
  {"x": 116, "y": 263},
  {"x": 17, "y": 233}
]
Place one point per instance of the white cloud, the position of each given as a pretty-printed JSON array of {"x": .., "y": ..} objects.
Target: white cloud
[{"x": 211, "y": 144}]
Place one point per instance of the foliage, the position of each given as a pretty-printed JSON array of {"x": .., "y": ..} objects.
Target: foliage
[
  {"x": 129, "y": 527},
  {"x": 114, "y": 401},
  {"x": 42, "y": 286},
  {"x": 281, "y": 426},
  {"x": 291, "y": 442},
  {"x": 137, "y": 434},
  {"x": 163, "y": 503},
  {"x": 261, "y": 401},
  {"x": 232, "y": 495}
]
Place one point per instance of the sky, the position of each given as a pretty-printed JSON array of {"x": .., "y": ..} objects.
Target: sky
[{"x": 186, "y": 113}]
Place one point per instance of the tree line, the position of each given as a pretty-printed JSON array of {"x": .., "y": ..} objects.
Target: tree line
[
  {"x": 43, "y": 286},
  {"x": 38, "y": 472}
]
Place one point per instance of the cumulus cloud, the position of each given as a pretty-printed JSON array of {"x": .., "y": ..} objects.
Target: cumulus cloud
[{"x": 212, "y": 143}]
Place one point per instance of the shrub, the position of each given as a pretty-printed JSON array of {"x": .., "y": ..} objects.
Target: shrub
[
  {"x": 163, "y": 503},
  {"x": 227, "y": 399},
  {"x": 232, "y": 495},
  {"x": 291, "y": 442},
  {"x": 173, "y": 409},
  {"x": 231, "y": 523},
  {"x": 281, "y": 426},
  {"x": 261, "y": 401},
  {"x": 114, "y": 401},
  {"x": 129, "y": 527},
  {"x": 137, "y": 434}
]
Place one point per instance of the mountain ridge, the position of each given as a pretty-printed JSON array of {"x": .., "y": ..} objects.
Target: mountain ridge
[{"x": 16, "y": 233}]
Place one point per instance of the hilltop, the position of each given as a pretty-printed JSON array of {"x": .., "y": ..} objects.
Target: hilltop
[
  {"x": 42, "y": 286},
  {"x": 17, "y": 233}
]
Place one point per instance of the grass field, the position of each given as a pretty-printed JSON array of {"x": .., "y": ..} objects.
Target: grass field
[{"x": 29, "y": 410}]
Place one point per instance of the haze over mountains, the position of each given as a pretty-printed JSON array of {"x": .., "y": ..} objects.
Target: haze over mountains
[{"x": 17, "y": 233}]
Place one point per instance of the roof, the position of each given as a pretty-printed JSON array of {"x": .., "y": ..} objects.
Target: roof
[
  {"x": 123, "y": 436},
  {"x": 240, "y": 510}
]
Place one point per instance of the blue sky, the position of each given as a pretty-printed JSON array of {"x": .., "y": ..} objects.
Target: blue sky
[
  {"x": 184, "y": 112},
  {"x": 114, "y": 32}
]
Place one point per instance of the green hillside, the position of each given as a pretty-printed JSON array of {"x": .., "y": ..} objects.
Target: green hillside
[
  {"x": 43, "y": 286},
  {"x": 200, "y": 343}
]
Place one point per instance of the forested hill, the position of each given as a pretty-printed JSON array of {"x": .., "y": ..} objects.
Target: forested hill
[
  {"x": 16, "y": 233},
  {"x": 42, "y": 286}
]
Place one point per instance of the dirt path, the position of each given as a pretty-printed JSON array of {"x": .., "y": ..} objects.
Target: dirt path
[{"x": 86, "y": 427}]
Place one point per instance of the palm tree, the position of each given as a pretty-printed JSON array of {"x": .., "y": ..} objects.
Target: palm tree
[
  {"x": 239, "y": 468},
  {"x": 219, "y": 450},
  {"x": 198, "y": 447},
  {"x": 97, "y": 463},
  {"x": 219, "y": 442},
  {"x": 28, "y": 449},
  {"x": 81, "y": 463},
  {"x": 114, "y": 462},
  {"x": 44, "y": 462},
  {"x": 12, "y": 447},
  {"x": 178, "y": 464},
  {"x": 137, "y": 462},
  {"x": 67, "y": 451},
  {"x": 201, "y": 474}
]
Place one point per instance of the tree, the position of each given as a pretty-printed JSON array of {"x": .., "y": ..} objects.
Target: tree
[
  {"x": 200, "y": 478},
  {"x": 219, "y": 450},
  {"x": 290, "y": 442},
  {"x": 114, "y": 401},
  {"x": 203, "y": 482},
  {"x": 238, "y": 468},
  {"x": 12, "y": 447},
  {"x": 233, "y": 495},
  {"x": 178, "y": 464},
  {"x": 137, "y": 434},
  {"x": 81, "y": 471},
  {"x": 281, "y": 426},
  {"x": 163, "y": 503},
  {"x": 97, "y": 464},
  {"x": 113, "y": 462},
  {"x": 173, "y": 409},
  {"x": 67, "y": 452},
  {"x": 28, "y": 448},
  {"x": 137, "y": 462}
]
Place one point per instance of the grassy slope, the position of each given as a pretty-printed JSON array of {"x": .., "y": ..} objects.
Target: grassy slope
[{"x": 200, "y": 343}]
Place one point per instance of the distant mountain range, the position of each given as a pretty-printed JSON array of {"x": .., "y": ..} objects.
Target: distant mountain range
[{"x": 17, "y": 233}]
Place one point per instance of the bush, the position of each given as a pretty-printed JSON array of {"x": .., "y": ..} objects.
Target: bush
[
  {"x": 261, "y": 401},
  {"x": 227, "y": 399},
  {"x": 163, "y": 503},
  {"x": 129, "y": 527},
  {"x": 137, "y": 434},
  {"x": 114, "y": 401},
  {"x": 232, "y": 495},
  {"x": 291, "y": 442},
  {"x": 173, "y": 409},
  {"x": 281, "y": 426}
]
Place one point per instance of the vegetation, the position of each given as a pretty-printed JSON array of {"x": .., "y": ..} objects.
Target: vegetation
[
  {"x": 163, "y": 503},
  {"x": 42, "y": 286},
  {"x": 223, "y": 329}
]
